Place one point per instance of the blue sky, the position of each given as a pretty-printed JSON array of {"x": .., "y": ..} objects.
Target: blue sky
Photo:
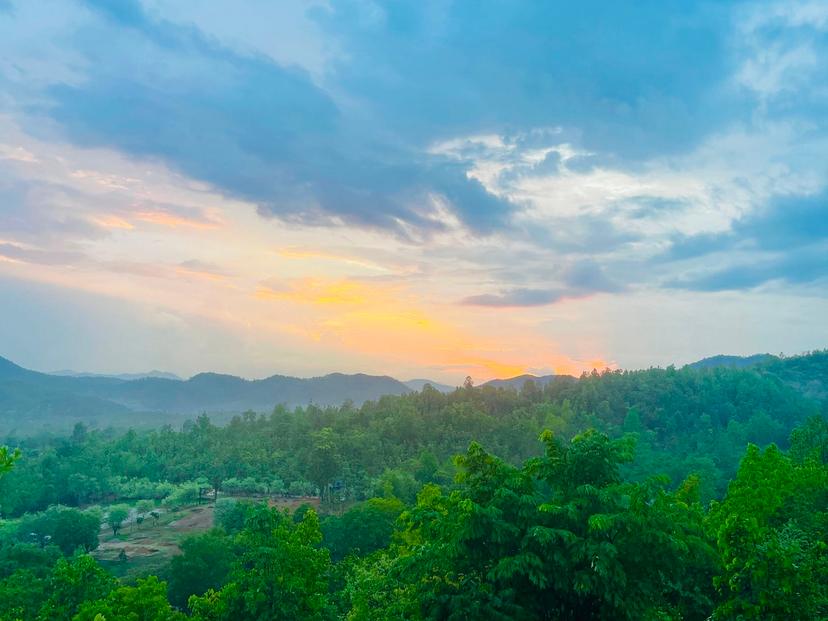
[{"x": 419, "y": 188}]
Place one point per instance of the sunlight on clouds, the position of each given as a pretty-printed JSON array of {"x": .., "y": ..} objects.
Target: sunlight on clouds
[
  {"x": 292, "y": 252},
  {"x": 162, "y": 218},
  {"x": 318, "y": 292},
  {"x": 110, "y": 221},
  {"x": 385, "y": 320}
]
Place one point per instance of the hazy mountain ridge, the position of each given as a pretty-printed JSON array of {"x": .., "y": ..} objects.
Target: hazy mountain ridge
[
  {"x": 26, "y": 394},
  {"x": 32, "y": 399},
  {"x": 418, "y": 384},
  {"x": 121, "y": 376},
  {"x": 518, "y": 381}
]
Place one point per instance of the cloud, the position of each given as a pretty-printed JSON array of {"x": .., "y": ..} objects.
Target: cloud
[
  {"x": 207, "y": 269},
  {"x": 25, "y": 254},
  {"x": 515, "y": 297},
  {"x": 253, "y": 129},
  {"x": 430, "y": 69},
  {"x": 580, "y": 280},
  {"x": 802, "y": 266},
  {"x": 787, "y": 241}
]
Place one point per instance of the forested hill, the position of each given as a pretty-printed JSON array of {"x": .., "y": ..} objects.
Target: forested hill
[
  {"x": 518, "y": 382},
  {"x": 555, "y": 507},
  {"x": 738, "y": 362},
  {"x": 29, "y": 397},
  {"x": 32, "y": 401},
  {"x": 684, "y": 421}
]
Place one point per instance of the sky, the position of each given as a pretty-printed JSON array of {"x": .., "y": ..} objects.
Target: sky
[{"x": 414, "y": 188}]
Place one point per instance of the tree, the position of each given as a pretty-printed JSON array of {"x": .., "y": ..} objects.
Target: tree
[
  {"x": 770, "y": 532},
  {"x": 67, "y": 528},
  {"x": 146, "y": 601},
  {"x": 73, "y": 582},
  {"x": 204, "y": 564},
  {"x": 363, "y": 529},
  {"x": 116, "y": 516},
  {"x": 144, "y": 507},
  {"x": 563, "y": 537},
  {"x": 21, "y": 595},
  {"x": 231, "y": 514},
  {"x": 7, "y": 459},
  {"x": 323, "y": 461},
  {"x": 281, "y": 574}
]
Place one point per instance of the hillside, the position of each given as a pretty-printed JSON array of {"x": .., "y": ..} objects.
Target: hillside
[
  {"x": 736, "y": 362},
  {"x": 518, "y": 381},
  {"x": 35, "y": 400},
  {"x": 418, "y": 384}
]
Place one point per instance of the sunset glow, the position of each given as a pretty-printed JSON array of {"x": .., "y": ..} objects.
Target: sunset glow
[{"x": 294, "y": 201}]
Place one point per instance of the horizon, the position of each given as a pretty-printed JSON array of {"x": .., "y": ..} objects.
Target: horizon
[
  {"x": 184, "y": 378},
  {"x": 421, "y": 190}
]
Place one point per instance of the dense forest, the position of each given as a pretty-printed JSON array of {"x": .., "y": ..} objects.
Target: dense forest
[{"x": 691, "y": 493}]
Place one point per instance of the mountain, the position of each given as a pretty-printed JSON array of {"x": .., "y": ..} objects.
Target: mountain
[
  {"x": 418, "y": 384},
  {"x": 213, "y": 392},
  {"x": 518, "y": 381},
  {"x": 736, "y": 362},
  {"x": 29, "y": 399},
  {"x": 807, "y": 373},
  {"x": 120, "y": 376}
]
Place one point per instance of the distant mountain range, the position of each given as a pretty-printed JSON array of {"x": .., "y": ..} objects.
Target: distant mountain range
[
  {"x": 120, "y": 376},
  {"x": 28, "y": 395},
  {"x": 418, "y": 384},
  {"x": 31, "y": 401}
]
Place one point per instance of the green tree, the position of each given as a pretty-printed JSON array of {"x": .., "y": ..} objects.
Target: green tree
[
  {"x": 67, "y": 528},
  {"x": 363, "y": 529},
  {"x": 7, "y": 459},
  {"x": 563, "y": 537},
  {"x": 21, "y": 595},
  {"x": 281, "y": 574},
  {"x": 146, "y": 601},
  {"x": 73, "y": 582},
  {"x": 116, "y": 516},
  {"x": 323, "y": 461},
  {"x": 204, "y": 563},
  {"x": 770, "y": 531}
]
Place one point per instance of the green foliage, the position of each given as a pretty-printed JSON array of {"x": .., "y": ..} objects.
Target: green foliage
[
  {"x": 686, "y": 421},
  {"x": 560, "y": 538},
  {"x": 21, "y": 595},
  {"x": 589, "y": 529},
  {"x": 73, "y": 582},
  {"x": 771, "y": 538},
  {"x": 204, "y": 563},
  {"x": 7, "y": 459},
  {"x": 116, "y": 516},
  {"x": 363, "y": 529},
  {"x": 146, "y": 601},
  {"x": 281, "y": 573},
  {"x": 185, "y": 494},
  {"x": 68, "y": 529},
  {"x": 230, "y": 514}
]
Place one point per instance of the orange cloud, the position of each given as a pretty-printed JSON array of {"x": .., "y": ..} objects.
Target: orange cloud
[
  {"x": 163, "y": 218},
  {"x": 292, "y": 252},
  {"x": 109, "y": 221}
]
